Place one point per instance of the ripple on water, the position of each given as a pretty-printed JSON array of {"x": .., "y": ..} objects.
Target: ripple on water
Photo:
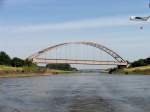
[{"x": 90, "y": 104}]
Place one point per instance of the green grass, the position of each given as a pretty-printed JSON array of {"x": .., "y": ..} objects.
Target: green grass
[
  {"x": 9, "y": 68},
  {"x": 17, "y": 75},
  {"x": 8, "y": 71},
  {"x": 138, "y": 70}
]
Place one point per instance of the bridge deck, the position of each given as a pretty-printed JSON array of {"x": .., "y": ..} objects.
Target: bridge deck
[{"x": 68, "y": 61}]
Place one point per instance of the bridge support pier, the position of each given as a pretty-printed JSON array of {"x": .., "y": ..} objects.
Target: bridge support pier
[{"x": 121, "y": 66}]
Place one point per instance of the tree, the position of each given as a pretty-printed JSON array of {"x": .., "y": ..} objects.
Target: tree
[
  {"x": 4, "y": 59},
  {"x": 60, "y": 66},
  {"x": 148, "y": 60},
  {"x": 140, "y": 62},
  {"x": 28, "y": 63},
  {"x": 17, "y": 62}
]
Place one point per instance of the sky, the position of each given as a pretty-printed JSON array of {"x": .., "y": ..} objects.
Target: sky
[{"x": 27, "y": 26}]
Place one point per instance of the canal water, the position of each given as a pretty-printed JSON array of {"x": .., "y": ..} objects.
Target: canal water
[{"x": 82, "y": 92}]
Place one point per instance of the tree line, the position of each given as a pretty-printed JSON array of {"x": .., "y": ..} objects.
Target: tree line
[
  {"x": 66, "y": 67},
  {"x": 14, "y": 62},
  {"x": 141, "y": 62},
  {"x": 18, "y": 62}
]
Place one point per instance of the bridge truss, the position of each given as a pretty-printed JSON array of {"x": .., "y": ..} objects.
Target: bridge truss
[{"x": 118, "y": 60}]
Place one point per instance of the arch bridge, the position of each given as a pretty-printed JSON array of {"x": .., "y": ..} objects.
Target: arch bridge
[{"x": 117, "y": 59}]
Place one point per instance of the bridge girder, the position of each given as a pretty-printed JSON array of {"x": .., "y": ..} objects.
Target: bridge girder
[{"x": 85, "y": 62}]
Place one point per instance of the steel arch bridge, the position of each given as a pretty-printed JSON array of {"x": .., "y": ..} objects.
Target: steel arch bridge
[{"x": 35, "y": 58}]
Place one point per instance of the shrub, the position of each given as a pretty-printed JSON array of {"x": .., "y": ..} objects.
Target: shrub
[
  {"x": 60, "y": 66},
  {"x": 17, "y": 62},
  {"x": 4, "y": 59}
]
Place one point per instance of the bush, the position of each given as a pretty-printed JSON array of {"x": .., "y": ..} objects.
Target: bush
[
  {"x": 30, "y": 68},
  {"x": 148, "y": 60},
  {"x": 17, "y": 62},
  {"x": 140, "y": 62},
  {"x": 28, "y": 63},
  {"x": 4, "y": 59},
  {"x": 60, "y": 66}
]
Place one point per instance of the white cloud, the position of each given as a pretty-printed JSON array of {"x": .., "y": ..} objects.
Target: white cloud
[{"x": 73, "y": 25}]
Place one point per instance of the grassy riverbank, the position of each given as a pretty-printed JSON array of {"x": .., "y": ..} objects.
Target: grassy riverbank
[
  {"x": 8, "y": 71},
  {"x": 137, "y": 70}
]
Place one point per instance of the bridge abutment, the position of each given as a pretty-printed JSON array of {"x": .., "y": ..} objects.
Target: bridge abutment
[{"x": 121, "y": 66}]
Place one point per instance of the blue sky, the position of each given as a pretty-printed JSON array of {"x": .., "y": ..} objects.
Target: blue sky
[{"x": 29, "y": 25}]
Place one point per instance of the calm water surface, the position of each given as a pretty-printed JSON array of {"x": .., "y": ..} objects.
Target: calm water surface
[{"x": 93, "y": 92}]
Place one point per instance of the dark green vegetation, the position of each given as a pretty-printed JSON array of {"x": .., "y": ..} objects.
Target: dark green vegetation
[
  {"x": 141, "y": 62},
  {"x": 15, "y": 62},
  {"x": 4, "y": 59},
  {"x": 65, "y": 67},
  {"x": 17, "y": 67},
  {"x": 141, "y": 66}
]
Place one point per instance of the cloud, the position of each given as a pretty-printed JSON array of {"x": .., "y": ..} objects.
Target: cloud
[{"x": 73, "y": 25}]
